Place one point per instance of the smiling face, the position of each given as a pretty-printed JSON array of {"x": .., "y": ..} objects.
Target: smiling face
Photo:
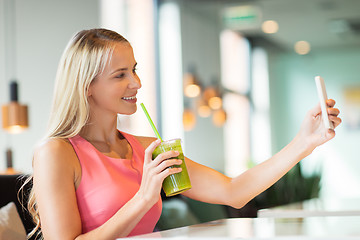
[{"x": 114, "y": 89}]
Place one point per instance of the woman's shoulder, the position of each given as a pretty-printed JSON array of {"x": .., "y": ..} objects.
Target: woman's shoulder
[
  {"x": 54, "y": 149},
  {"x": 55, "y": 162},
  {"x": 53, "y": 144}
]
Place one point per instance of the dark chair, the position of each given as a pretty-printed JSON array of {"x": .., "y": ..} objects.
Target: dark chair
[{"x": 9, "y": 189}]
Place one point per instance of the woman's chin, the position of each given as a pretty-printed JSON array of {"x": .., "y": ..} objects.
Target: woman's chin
[{"x": 128, "y": 112}]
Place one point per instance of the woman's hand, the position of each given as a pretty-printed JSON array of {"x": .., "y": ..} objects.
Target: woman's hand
[
  {"x": 155, "y": 171},
  {"x": 313, "y": 131}
]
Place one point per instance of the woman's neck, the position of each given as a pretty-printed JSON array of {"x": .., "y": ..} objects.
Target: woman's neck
[{"x": 101, "y": 129}]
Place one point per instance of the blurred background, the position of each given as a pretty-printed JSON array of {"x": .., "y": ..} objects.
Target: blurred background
[{"x": 233, "y": 79}]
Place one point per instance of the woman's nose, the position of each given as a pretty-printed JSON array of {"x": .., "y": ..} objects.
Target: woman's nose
[{"x": 135, "y": 82}]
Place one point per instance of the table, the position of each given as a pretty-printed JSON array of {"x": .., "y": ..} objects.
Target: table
[
  {"x": 315, "y": 207},
  {"x": 331, "y": 227}
]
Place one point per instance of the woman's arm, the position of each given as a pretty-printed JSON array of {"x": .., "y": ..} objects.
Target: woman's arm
[
  {"x": 54, "y": 176},
  {"x": 55, "y": 173},
  {"x": 213, "y": 187}
]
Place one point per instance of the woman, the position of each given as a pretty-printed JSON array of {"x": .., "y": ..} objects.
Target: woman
[{"x": 92, "y": 181}]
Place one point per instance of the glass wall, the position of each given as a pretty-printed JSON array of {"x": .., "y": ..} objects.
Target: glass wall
[{"x": 287, "y": 51}]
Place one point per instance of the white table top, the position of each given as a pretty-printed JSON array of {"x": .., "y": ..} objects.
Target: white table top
[
  {"x": 344, "y": 227},
  {"x": 314, "y": 207}
]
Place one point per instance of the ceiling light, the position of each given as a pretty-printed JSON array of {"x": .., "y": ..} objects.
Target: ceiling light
[
  {"x": 215, "y": 103},
  {"x": 219, "y": 117},
  {"x": 203, "y": 109},
  {"x": 270, "y": 26},
  {"x": 189, "y": 119},
  {"x": 191, "y": 86},
  {"x": 302, "y": 47},
  {"x": 192, "y": 90}
]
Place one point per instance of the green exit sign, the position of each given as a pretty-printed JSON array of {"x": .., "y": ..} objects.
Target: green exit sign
[{"x": 241, "y": 17}]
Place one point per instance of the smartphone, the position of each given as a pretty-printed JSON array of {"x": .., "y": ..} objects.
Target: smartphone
[{"x": 321, "y": 90}]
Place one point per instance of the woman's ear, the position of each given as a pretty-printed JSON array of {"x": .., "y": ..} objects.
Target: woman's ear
[{"x": 88, "y": 92}]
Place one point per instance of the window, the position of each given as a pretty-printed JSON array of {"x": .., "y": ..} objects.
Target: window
[{"x": 246, "y": 101}]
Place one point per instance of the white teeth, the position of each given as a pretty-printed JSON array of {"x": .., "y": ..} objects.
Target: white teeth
[{"x": 129, "y": 98}]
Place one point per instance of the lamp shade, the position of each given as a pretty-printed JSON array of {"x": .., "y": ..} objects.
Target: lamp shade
[
  {"x": 14, "y": 117},
  {"x": 14, "y": 114}
]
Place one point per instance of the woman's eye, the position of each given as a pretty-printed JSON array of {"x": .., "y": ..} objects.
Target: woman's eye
[
  {"x": 134, "y": 70},
  {"x": 120, "y": 75}
]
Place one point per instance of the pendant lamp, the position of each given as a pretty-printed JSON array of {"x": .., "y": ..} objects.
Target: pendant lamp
[{"x": 14, "y": 114}]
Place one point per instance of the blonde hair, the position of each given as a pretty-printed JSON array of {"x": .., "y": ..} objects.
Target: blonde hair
[{"x": 83, "y": 59}]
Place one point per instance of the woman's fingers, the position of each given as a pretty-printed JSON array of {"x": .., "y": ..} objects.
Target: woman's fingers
[
  {"x": 168, "y": 163},
  {"x": 314, "y": 112},
  {"x": 165, "y": 155},
  {"x": 330, "y": 103},
  {"x": 336, "y": 120},
  {"x": 169, "y": 171},
  {"x": 155, "y": 171},
  {"x": 165, "y": 160},
  {"x": 149, "y": 150},
  {"x": 333, "y": 111},
  {"x": 162, "y": 161}
]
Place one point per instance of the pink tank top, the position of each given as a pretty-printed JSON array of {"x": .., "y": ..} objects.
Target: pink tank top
[{"x": 108, "y": 183}]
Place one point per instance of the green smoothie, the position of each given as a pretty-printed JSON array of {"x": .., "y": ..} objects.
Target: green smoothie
[{"x": 178, "y": 182}]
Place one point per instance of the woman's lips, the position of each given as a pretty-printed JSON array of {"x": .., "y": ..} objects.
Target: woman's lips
[{"x": 131, "y": 99}]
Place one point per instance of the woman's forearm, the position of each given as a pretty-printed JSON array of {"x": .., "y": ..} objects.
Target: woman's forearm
[
  {"x": 257, "y": 179},
  {"x": 122, "y": 223}
]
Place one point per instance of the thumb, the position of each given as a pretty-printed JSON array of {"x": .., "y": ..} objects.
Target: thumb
[
  {"x": 315, "y": 110},
  {"x": 330, "y": 134},
  {"x": 149, "y": 150}
]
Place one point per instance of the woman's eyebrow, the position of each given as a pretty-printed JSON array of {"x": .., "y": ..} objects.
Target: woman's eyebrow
[
  {"x": 119, "y": 70},
  {"x": 122, "y": 69}
]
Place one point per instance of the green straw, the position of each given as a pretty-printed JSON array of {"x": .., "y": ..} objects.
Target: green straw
[{"x": 150, "y": 121}]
